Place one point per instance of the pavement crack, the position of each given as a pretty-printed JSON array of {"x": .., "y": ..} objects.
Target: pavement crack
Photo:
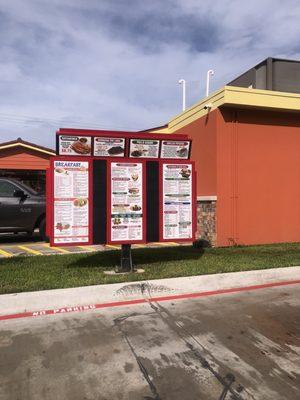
[
  {"x": 171, "y": 322},
  {"x": 143, "y": 287},
  {"x": 143, "y": 369},
  {"x": 124, "y": 317},
  {"x": 230, "y": 379}
]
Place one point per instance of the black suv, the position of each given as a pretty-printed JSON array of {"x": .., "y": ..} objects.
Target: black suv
[{"x": 21, "y": 208}]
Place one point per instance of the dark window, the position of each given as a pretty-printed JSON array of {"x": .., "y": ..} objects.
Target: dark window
[{"x": 7, "y": 189}]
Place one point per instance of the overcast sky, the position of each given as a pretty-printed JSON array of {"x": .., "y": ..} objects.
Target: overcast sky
[{"x": 115, "y": 63}]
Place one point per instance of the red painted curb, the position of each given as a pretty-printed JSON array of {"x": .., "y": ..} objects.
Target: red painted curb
[{"x": 144, "y": 300}]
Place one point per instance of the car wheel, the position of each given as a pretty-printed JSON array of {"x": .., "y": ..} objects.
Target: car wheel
[{"x": 42, "y": 229}]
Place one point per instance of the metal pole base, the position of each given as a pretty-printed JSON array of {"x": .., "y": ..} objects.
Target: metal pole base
[{"x": 126, "y": 259}]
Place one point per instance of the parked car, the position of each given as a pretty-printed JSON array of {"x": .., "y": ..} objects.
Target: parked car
[{"x": 21, "y": 208}]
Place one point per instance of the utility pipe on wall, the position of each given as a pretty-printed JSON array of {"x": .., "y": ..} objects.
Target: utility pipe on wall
[
  {"x": 183, "y": 83},
  {"x": 209, "y": 73}
]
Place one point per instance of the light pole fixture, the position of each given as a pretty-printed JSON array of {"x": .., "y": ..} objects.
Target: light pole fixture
[
  {"x": 183, "y": 83},
  {"x": 209, "y": 73}
]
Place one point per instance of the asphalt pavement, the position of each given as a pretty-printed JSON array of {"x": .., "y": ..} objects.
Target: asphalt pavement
[
  {"x": 226, "y": 347},
  {"x": 24, "y": 245}
]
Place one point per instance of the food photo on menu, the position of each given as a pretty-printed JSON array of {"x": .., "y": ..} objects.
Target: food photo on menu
[
  {"x": 182, "y": 152},
  {"x": 62, "y": 227},
  {"x": 80, "y": 202},
  {"x": 81, "y": 146},
  {"x": 185, "y": 172},
  {"x": 60, "y": 170},
  {"x": 75, "y": 145},
  {"x": 116, "y": 151}
]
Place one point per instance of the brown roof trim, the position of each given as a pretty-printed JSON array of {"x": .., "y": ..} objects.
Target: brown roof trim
[
  {"x": 156, "y": 127},
  {"x": 21, "y": 142}
]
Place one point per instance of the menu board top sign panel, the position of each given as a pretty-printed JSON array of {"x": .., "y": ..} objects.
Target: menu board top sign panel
[
  {"x": 109, "y": 147},
  {"x": 126, "y": 206},
  {"x": 175, "y": 149},
  {"x": 144, "y": 148},
  {"x": 73, "y": 145}
]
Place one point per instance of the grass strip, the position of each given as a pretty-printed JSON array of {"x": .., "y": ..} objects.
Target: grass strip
[{"x": 22, "y": 274}]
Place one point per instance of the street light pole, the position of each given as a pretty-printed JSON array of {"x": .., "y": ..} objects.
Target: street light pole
[
  {"x": 183, "y": 83},
  {"x": 209, "y": 73}
]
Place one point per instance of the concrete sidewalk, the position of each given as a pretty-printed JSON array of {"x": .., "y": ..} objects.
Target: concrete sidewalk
[
  {"x": 241, "y": 344},
  {"x": 129, "y": 291}
]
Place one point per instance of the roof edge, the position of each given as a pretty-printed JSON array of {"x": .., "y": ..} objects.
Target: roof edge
[
  {"x": 234, "y": 96},
  {"x": 24, "y": 143}
]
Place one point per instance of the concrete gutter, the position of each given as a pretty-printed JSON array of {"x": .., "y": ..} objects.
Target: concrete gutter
[{"x": 76, "y": 298}]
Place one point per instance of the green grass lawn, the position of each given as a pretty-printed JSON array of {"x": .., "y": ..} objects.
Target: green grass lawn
[{"x": 21, "y": 274}]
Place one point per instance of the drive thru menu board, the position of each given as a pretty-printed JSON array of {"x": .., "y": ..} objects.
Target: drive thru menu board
[
  {"x": 175, "y": 149},
  {"x": 177, "y": 201},
  {"x": 126, "y": 202},
  {"x": 71, "y": 204}
]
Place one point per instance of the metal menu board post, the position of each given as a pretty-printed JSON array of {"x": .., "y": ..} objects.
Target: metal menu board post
[{"x": 126, "y": 259}]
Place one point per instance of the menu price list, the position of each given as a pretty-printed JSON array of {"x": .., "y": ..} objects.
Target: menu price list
[
  {"x": 71, "y": 204},
  {"x": 126, "y": 202},
  {"x": 177, "y": 201}
]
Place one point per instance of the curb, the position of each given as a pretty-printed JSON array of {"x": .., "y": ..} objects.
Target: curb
[{"x": 58, "y": 301}]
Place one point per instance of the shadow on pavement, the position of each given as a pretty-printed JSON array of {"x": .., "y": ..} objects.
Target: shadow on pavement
[
  {"x": 10, "y": 238},
  {"x": 140, "y": 256}
]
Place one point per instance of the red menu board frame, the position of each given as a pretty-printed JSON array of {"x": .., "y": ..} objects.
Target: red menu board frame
[
  {"x": 51, "y": 204},
  {"x": 109, "y": 200},
  {"x": 193, "y": 205},
  {"x": 100, "y": 200}
]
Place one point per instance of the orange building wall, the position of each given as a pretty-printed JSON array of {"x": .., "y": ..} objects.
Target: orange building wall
[
  {"x": 20, "y": 158},
  {"x": 203, "y": 132},
  {"x": 258, "y": 177}
]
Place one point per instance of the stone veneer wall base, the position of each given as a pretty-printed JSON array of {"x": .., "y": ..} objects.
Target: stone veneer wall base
[{"x": 206, "y": 220}]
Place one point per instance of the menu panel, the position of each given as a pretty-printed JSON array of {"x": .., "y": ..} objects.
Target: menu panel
[
  {"x": 144, "y": 148},
  {"x": 109, "y": 147},
  {"x": 71, "y": 202},
  {"x": 75, "y": 145},
  {"x": 179, "y": 149},
  {"x": 177, "y": 201},
  {"x": 126, "y": 206}
]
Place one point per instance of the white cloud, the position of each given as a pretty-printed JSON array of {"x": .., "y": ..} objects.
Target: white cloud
[{"x": 101, "y": 64}]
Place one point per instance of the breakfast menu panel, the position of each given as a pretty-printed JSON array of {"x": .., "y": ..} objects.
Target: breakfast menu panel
[
  {"x": 179, "y": 149},
  {"x": 109, "y": 147},
  {"x": 71, "y": 202},
  {"x": 75, "y": 145},
  {"x": 177, "y": 201},
  {"x": 126, "y": 202}
]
